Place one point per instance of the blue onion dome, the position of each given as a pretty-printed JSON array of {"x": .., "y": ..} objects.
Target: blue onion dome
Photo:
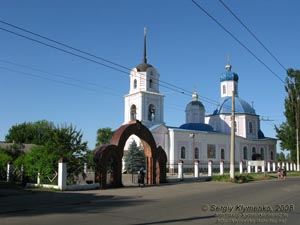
[
  {"x": 229, "y": 75},
  {"x": 241, "y": 106},
  {"x": 197, "y": 127}
]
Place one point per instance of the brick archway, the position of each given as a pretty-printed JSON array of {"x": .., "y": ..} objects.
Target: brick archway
[{"x": 156, "y": 158}]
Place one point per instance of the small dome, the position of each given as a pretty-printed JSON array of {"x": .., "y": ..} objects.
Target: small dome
[
  {"x": 143, "y": 67},
  {"x": 194, "y": 103},
  {"x": 241, "y": 106},
  {"x": 194, "y": 110},
  {"x": 196, "y": 126},
  {"x": 228, "y": 74}
]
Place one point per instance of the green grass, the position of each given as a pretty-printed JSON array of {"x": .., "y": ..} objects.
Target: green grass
[
  {"x": 243, "y": 178},
  {"x": 293, "y": 173}
]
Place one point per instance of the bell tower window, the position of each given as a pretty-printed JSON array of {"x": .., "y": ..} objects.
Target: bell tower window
[
  {"x": 133, "y": 112},
  {"x": 151, "y": 113},
  {"x": 150, "y": 83},
  {"x": 135, "y": 84}
]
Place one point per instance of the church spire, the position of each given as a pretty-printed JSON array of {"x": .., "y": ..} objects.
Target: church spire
[{"x": 145, "y": 49}]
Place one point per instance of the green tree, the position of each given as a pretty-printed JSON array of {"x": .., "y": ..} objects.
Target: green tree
[
  {"x": 103, "y": 136},
  {"x": 4, "y": 159},
  {"x": 134, "y": 158},
  {"x": 52, "y": 143},
  {"x": 14, "y": 151},
  {"x": 30, "y": 133},
  {"x": 40, "y": 160},
  {"x": 281, "y": 156},
  {"x": 286, "y": 132}
]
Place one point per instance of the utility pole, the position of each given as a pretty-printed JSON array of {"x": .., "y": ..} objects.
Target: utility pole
[
  {"x": 192, "y": 135},
  {"x": 297, "y": 136},
  {"x": 232, "y": 149}
]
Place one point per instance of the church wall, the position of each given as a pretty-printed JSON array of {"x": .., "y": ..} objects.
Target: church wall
[{"x": 210, "y": 145}]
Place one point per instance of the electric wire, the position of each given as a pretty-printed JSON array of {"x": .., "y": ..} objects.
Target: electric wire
[
  {"x": 253, "y": 35},
  {"x": 45, "y": 78},
  {"x": 182, "y": 91},
  {"x": 164, "y": 84},
  {"x": 237, "y": 40},
  {"x": 59, "y": 75}
]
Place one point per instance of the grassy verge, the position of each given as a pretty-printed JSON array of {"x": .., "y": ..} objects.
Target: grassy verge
[
  {"x": 293, "y": 173},
  {"x": 243, "y": 178}
]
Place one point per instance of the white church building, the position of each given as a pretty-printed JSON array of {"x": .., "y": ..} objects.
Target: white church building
[{"x": 204, "y": 136}]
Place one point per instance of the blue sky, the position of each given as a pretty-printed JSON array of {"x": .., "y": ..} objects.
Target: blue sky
[{"x": 187, "y": 48}]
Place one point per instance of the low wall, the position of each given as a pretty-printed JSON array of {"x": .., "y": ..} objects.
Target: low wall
[{"x": 68, "y": 188}]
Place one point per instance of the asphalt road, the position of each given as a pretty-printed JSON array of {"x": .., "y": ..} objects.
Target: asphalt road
[{"x": 263, "y": 202}]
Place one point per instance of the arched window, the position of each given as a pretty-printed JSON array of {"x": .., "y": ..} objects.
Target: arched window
[
  {"x": 222, "y": 154},
  {"x": 182, "y": 152},
  {"x": 253, "y": 150},
  {"x": 151, "y": 113},
  {"x": 224, "y": 89},
  {"x": 196, "y": 153},
  {"x": 133, "y": 112},
  {"x": 262, "y": 153},
  {"x": 254, "y": 155},
  {"x": 134, "y": 83},
  {"x": 150, "y": 83},
  {"x": 250, "y": 127},
  {"x": 272, "y": 155},
  {"x": 245, "y": 153}
]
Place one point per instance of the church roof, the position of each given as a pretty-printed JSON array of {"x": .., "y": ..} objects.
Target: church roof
[
  {"x": 196, "y": 126},
  {"x": 143, "y": 67},
  {"x": 241, "y": 106}
]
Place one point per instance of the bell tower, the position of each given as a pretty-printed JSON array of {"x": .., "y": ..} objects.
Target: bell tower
[{"x": 144, "y": 102}]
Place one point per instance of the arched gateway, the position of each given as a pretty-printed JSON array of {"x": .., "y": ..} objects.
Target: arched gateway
[{"x": 110, "y": 156}]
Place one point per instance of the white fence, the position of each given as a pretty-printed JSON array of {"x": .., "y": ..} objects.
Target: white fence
[
  {"x": 62, "y": 181},
  {"x": 210, "y": 168}
]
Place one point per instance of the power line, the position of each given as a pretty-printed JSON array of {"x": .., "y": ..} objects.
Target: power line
[
  {"x": 62, "y": 44},
  {"x": 180, "y": 90},
  {"x": 253, "y": 35},
  {"x": 60, "y": 49},
  {"x": 162, "y": 83},
  {"x": 237, "y": 40},
  {"x": 45, "y": 78},
  {"x": 59, "y": 75}
]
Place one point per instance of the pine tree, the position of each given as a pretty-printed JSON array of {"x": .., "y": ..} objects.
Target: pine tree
[{"x": 134, "y": 158}]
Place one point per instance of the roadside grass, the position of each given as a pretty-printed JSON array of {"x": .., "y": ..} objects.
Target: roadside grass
[
  {"x": 293, "y": 173},
  {"x": 244, "y": 178}
]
